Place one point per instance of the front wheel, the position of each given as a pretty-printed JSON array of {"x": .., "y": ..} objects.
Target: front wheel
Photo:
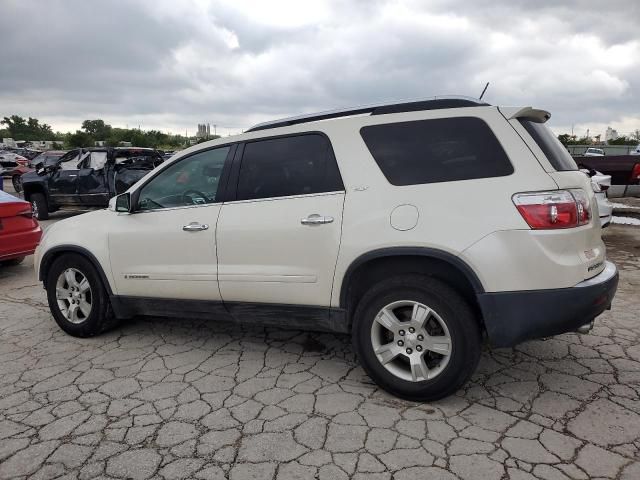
[
  {"x": 416, "y": 337},
  {"x": 17, "y": 183},
  {"x": 77, "y": 298}
]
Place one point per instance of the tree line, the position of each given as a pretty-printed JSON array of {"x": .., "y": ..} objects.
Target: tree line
[
  {"x": 31, "y": 129},
  {"x": 632, "y": 139}
]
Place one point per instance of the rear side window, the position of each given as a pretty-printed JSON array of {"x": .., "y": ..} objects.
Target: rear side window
[
  {"x": 555, "y": 152},
  {"x": 432, "y": 151},
  {"x": 280, "y": 167}
]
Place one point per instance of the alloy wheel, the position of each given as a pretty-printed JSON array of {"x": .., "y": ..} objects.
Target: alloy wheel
[
  {"x": 73, "y": 294},
  {"x": 411, "y": 341}
]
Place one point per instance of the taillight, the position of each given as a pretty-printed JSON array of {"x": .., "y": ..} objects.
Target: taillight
[
  {"x": 556, "y": 209},
  {"x": 635, "y": 173},
  {"x": 26, "y": 212}
]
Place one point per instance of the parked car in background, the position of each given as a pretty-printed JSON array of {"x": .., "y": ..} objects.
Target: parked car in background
[
  {"x": 86, "y": 178},
  {"x": 19, "y": 231},
  {"x": 594, "y": 152},
  {"x": 623, "y": 169},
  {"x": 327, "y": 222},
  {"x": 635, "y": 151},
  {"x": 47, "y": 159},
  {"x": 601, "y": 183},
  {"x": 12, "y": 165}
]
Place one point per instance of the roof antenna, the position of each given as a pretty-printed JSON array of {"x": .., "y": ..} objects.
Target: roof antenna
[{"x": 485, "y": 89}]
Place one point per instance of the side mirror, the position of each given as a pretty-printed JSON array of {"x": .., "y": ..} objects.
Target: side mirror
[{"x": 123, "y": 203}]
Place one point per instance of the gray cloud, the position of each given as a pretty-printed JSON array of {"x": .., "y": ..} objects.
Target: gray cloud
[{"x": 170, "y": 65}]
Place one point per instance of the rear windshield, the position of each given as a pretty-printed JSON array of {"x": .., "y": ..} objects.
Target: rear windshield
[{"x": 555, "y": 152}]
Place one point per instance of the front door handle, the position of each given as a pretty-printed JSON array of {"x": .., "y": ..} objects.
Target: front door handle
[
  {"x": 315, "y": 219},
  {"x": 195, "y": 227}
]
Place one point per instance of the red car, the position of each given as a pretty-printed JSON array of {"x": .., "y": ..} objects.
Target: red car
[{"x": 19, "y": 231}]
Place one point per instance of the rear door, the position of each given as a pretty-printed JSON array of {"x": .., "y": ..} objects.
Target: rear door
[
  {"x": 91, "y": 185},
  {"x": 63, "y": 181},
  {"x": 278, "y": 238}
]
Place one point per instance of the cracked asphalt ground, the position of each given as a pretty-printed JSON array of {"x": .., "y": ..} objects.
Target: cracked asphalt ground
[{"x": 169, "y": 398}]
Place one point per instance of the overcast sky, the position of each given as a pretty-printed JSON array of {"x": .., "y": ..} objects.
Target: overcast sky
[{"x": 171, "y": 64}]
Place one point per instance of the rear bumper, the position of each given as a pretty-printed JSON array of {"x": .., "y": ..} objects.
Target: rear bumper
[
  {"x": 513, "y": 317},
  {"x": 19, "y": 244}
]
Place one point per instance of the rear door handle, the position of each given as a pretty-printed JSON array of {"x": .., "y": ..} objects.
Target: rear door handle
[
  {"x": 195, "y": 227},
  {"x": 315, "y": 219}
]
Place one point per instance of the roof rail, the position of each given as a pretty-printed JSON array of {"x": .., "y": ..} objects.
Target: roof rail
[{"x": 433, "y": 103}]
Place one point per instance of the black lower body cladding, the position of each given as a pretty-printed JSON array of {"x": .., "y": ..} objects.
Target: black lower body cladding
[{"x": 513, "y": 317}]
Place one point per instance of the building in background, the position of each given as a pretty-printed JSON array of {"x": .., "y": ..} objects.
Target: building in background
[
  {"x": 204, "y": 130},
  {"x": 611, "y": 134}
]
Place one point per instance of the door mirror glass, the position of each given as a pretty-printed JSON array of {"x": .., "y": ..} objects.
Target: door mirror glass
[{"x": 123, "y": 203}]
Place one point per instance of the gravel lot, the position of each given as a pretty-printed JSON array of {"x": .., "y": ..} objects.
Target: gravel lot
[{"x": 169, "y": 398}]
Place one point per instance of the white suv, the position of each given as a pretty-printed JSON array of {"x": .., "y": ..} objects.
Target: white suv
[{"x": 419, "y": 228}]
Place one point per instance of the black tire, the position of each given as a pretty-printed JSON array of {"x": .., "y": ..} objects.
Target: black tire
[
  {"x": 464, "y": 330},
  {"x": 17, "y": 183},
  {"x": 39, "y": 206},
  {"x": 101, "y": 317},
  {"x": 13, "y": 262}
]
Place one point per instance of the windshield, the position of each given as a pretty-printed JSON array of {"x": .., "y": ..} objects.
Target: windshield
[{"x": 555, "y": 152}]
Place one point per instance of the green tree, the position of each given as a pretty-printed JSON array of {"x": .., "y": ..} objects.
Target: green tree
[
  {"x": 623, "y": 140},
  {"x": 79, "y": 139},
  {"x": 30, "y": 129},
  {"x": 97, "y": 129}
]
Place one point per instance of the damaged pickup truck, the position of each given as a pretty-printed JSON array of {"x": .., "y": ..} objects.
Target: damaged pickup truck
[{"x": 86, "y": 178}]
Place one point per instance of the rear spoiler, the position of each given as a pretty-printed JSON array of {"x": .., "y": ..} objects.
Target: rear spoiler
[{"x": 529, "y": 113}]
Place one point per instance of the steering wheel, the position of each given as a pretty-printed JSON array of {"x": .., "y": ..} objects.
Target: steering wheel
[{"x": 186, "y": 198}]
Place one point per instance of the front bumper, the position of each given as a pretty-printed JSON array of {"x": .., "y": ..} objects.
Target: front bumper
[{"x": 513, "y": 317}]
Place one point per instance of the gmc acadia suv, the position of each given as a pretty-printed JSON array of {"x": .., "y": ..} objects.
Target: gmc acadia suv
[{"x": 419, "y": 228}]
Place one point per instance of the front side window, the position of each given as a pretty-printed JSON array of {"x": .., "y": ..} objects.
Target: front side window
[
  {"x": 192, "y": 181},
  {"x": 285, "y": 166},
  {"x": 432, "y": 151}
]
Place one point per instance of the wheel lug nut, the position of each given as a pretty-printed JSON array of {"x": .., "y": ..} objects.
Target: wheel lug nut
[
  {"x": 409, "y": 351},
  {"x": 420, "y": 337},
  {"x": 419, "y": 348},
  {"x": 401, "y": 333},
  {"x": 400, "y": 343},
  {"x": 411, "y": 329}
]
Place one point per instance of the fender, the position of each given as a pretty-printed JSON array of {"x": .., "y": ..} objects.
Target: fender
[
  {"x": 47, "y": 259},
  {"x": 453, "y": 260}
]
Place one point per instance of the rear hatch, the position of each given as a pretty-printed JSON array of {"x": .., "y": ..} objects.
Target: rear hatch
[{"x": 586, "y": 239}]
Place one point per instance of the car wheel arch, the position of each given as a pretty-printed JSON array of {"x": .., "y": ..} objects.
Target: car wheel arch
[
  {"x": 398, "y": 260},
  {"x": 51, "y": 255}
]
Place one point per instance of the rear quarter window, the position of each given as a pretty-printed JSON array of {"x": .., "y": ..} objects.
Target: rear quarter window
[
  {"x": 555, "y": 152},
  {"x": 433, "y": 151}
]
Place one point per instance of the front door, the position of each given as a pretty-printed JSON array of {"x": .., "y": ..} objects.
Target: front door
[
  {"x": 278, "y": 240},
  {"x": 167, "y": 247}
]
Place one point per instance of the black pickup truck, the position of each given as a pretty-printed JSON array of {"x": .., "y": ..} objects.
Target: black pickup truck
[
  {"x": 86, "y": 178},
  {"x": 624, "y": 169}
]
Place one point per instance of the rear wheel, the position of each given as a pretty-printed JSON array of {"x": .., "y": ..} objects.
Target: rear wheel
[
  {"x": 39, "y": 206},
  {"x": 416, "y": 337},
  {"x": 77, "y": 298},
  {"x": 17, "y": 183}
]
